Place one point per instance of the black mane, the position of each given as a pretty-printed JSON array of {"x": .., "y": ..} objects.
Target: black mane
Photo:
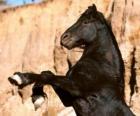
[{"x": 103, "y": 20}]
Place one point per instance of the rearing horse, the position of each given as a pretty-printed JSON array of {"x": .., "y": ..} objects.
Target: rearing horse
[{"x": 94, "y": 86}]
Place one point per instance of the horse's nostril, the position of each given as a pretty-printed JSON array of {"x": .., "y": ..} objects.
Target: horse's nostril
[{"x": 65, "y": 36}]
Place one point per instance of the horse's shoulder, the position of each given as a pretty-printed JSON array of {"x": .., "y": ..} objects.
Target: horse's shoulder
[{"x": 82, "y": 69}]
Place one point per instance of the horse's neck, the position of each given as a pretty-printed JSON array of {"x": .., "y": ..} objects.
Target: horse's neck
[{"x": 104, "y": 48}]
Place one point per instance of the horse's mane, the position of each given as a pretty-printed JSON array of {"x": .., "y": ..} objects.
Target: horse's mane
[
  {"x": 92, "y": 12},
  {"x": 104, "y": 21}
]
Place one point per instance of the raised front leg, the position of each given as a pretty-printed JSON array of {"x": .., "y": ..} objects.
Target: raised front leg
[
  {"x": 61, "y": 82},
  {"x": 64, "y": 96},
  {"x": 38, "y": 95},
  {"x": 24, "y": 79},
  {"x": 66, "y": 89}
]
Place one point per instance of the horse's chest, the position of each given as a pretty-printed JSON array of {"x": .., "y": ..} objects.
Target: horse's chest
[
  {"x": 80, "y": 69},
  {"x": 73, "y": 72},
  {"x": 83, "y": 76}
]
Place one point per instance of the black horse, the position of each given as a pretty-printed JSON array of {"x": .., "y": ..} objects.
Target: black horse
[{"x": 94, "y": 86}]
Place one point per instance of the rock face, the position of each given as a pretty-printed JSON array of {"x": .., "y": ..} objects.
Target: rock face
[{"x": 29, "y": 42}]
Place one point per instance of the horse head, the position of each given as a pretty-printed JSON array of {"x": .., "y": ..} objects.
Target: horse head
[{"x": 84, "y": 31}]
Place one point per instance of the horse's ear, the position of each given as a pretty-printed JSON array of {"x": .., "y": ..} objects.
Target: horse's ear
[
  {"x": 94, "y": 8},
  {"x": 92, "y": 11}
]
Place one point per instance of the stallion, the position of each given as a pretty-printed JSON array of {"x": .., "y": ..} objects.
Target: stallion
[{"x": 94, "y": 86}]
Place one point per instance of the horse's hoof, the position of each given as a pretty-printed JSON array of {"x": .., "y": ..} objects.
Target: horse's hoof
[
  {"x": 15, "y": 79},
  {"x": 38, "y": 101}
]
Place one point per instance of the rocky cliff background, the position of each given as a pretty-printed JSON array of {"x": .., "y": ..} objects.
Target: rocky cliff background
[{"x": 29, "y": 41}]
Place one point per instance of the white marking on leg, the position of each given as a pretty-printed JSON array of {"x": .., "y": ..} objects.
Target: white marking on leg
[
  {"x": 39, "y": 102},
  {"x": 17, "y": 78}
]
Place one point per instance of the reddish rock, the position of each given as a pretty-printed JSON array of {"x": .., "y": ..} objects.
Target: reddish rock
[{"x": 29, "y": 42}]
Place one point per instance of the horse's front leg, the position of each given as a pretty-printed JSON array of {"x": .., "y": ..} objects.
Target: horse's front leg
[
  {"x": 46, "y": 77},
  {"x": 38, "y": 95},
  {"x": 24, "y": 79},
  {"x": 61, "y": 82},
  {"x": 65, "y": 88}
]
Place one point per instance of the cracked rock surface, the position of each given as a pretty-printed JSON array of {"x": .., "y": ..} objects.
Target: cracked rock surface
[{"x": 30, "y": 42}]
